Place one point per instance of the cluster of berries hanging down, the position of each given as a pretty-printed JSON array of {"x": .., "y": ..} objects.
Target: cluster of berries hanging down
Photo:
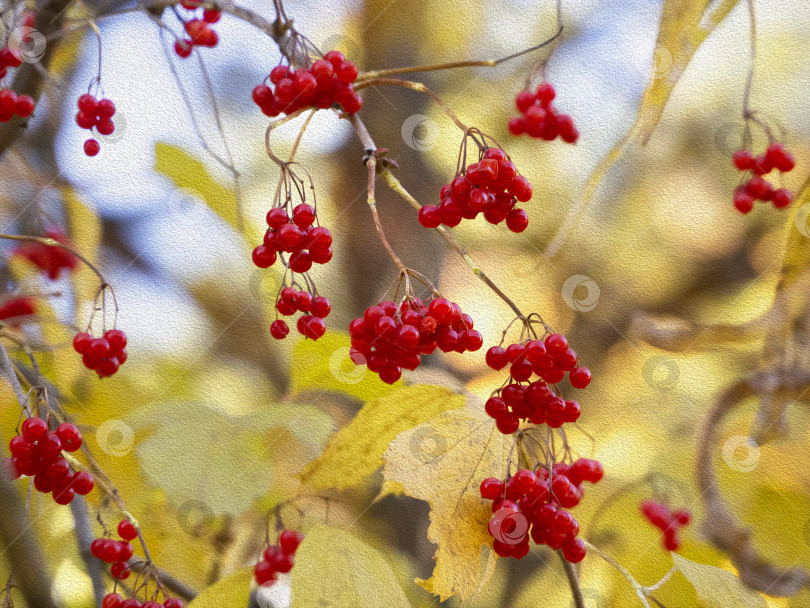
[
  {"x": 539, "y": 118},
  {"x": 389, "y": 338},
  {"x": 37, "y": 453},
  {"x": 102, "y": 355},
  {"x": 491, "y": 186},
  {"x": 666, "y": 520},
  {"x": 322, "y": 84},
  {"x": 757, "y": 188},
  {"x": 277, "y": 558},
  {"x": 95, "y": 113},
  {"x": 10, "y": 102},
  {"x": 537, "y": 400},
  {"x": 197, "y": 28},
  {"x": 116, "y": 552},
  {"x": 535, "y": 505},
  {"x": 295, "y": 233},
  {"x": 49, "y": 258}
]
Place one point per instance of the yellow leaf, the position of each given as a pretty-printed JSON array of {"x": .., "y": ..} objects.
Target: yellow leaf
[
  {"x": 190, "y": 175},
  {"x": 85, "y": 232},
  {"x": 356, "y": 450},
  {"x": 335, "y": 569},
  {"x": 717, "y": 588},
  {"x": 685, "y": 24},
  {"x": 443, "y": 461},
  {"x": 324, "y": 365},
  {"x": 797, "y": 241},
  {"x": 230, "y": 592}
]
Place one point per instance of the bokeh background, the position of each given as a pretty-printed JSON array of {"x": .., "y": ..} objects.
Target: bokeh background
[{"x": 205, "y": 426}]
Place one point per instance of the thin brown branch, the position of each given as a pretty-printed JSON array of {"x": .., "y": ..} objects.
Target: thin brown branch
[{"x": 573, "y": 581}]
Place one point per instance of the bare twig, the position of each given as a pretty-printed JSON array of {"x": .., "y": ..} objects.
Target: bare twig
[{"x": 573, "y": 581}]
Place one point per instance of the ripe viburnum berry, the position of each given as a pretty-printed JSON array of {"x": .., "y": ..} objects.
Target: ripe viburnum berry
[
  {"x": 49, "y": 258},
  {"x": 666, "y": 520},
  {"x": 533, "y": 505},
  {"x": 756, "y": 188},
  {"x": 539, "y": 119},
  {"x": 103, "y": 355},
  {"x": 95, "y": 114},
  {"x": 37, "y": 453},
  {"x": 277, "y": 558},
  {"x": 321, "y": 84},
  {"x": 491, "y": 186},
  {"x": 389, "y": 338},
  {"x": 538, "y": 400}
]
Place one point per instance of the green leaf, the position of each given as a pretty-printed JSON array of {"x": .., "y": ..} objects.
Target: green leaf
[
  {"x": 324, "y": 365},
  {"x": 230, "y": 592},
  {"x": 195, "y": 452},
  {"x": 717, "y": 588},
  {"x": 356, "y": 451},
  {"x": 189, "y": 174},
  {"x": 335, "y": 569}
]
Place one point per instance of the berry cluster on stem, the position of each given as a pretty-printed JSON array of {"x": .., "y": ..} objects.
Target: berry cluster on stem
[
  {"x": 116, "y": 552},
  {"x": 533, "y": 504},
  {"x": 37, "y": 452},
  {"x": 197, "y": 27},
  {"x": 95, "y": 114},
  {"x": 755, "y": 187},
  {"x": 319, "y": 84},
  {"x": 102, "y": 355},
  {"x": 667, "y": 520},
  {"x": 539, "y": 118},
  {"x": 278, "y": 558},
  {"x": 491, "y": 186},
  {"x": 389, "y": 337}
]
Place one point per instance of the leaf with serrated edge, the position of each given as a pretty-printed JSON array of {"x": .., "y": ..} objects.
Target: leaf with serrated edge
[
  {"x": 717, "y": 588},
  {"x": 443, "y": 461},
  {"x": 356, "y": 451},
  {"x": 335, "y": 569}
]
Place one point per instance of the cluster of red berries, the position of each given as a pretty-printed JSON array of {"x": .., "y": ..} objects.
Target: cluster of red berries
[
  {"x": 198, "y": 29},
  {"x": 11, "y": 104},
  {"x": 491, "y": 186},
  {"x": 37, "y": 453},
  {"x": 115, "y": 600},
  {"x": 116, "y": 552},
  {"x": 310, "y": 324},
  {"x": 49, "y": 258},
  {"x": 102, "y": 355},
  {"x": 17, "y": 307},
  {"x": 388, "y": 338},
  {"x": 536, "y": 401},
  {"x": 534, "y": 505},
  {"x": 96, "y": 113},
  {"x": 306, "y": 244},
  {"x": 757, "y": 188},
  {"x": 538, "y": 117},
  {"x": 326, "y": 82},
  {"x": 277, "y": 558},
  {"x": 667, "y": 520}
]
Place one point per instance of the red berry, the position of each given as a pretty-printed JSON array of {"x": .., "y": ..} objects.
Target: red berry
[
  {"x": 279, "y": 329},
  {"x": 34, "y": 429},
  {"x": 517, "y": 220},
  {"x": 491, "y": 488},
  {"x": 119, "y": 570},
  {"x": 430, "y": 216},
  {"x": 743, "y": 201},
  {"x": 126, "y": 530},
  {"x": 91, "y": 147},
  {"x": 116, "y": 338},
  {"x": 496, "y": 358},
  {"x": 112, "y": 600},
  {"x": 545, "y": 92},
  {"x": 289, "y": 540},
  {"x": 25, "y": 106},
  {"x": 574, "y": 550},
  {"x": 743, "y": 160},
  {"x": 781, "y": 198}
]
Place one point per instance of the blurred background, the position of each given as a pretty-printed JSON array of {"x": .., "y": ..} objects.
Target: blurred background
[{"x": 205, "y": 426}]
